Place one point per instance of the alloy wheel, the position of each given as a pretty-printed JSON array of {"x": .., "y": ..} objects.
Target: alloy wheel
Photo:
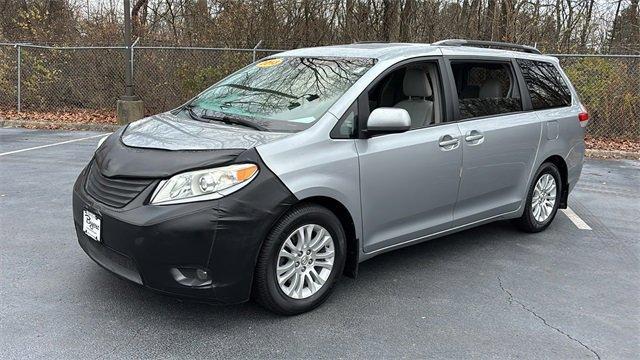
[
  {"x": 305, "y": 261},
  {"x": 544, "y": 198}
]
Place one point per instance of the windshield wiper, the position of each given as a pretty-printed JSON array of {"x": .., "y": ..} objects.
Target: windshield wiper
[
  {"x": 192, "y": 113},
  {"x": 235, "y": 120},
  {"x": 225, "y": 118}
]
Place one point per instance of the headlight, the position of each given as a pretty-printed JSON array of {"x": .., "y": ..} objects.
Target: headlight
[{"x": 205, "y": 184}]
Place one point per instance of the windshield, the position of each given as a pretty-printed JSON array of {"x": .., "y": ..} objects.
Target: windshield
[{"x": 280, "y": 94}]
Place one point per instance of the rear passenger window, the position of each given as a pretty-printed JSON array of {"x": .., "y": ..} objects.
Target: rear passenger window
[
  {"x": 546, "y": 87},
  {"x": 485, "y": 88}
]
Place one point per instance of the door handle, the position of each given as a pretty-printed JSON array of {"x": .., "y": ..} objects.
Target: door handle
[
  {"x": 474, "y": 136},
  {"x": 448, "y": 142}
]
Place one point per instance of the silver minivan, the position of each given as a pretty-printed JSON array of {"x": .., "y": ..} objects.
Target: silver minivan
[{"x": 286, "y": 174}]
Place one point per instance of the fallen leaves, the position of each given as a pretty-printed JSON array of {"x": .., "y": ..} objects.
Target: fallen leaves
[
  {"x": 611, "y": 144},
  {"x": 76, "y": 116}
]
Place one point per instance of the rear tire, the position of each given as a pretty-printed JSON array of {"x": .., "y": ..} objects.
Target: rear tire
[
  {"x": 542, "y": 201},
  {"x": 300, "y": 261}
]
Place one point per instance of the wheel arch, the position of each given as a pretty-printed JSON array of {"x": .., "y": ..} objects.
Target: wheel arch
[
  {"x": 346, "y": 219},
  {"x": 561, "y": 164}
]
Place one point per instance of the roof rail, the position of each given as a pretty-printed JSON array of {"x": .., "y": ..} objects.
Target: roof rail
[
  {"x": 483, "y": 43},
  {"x": 371, "y": 42}
]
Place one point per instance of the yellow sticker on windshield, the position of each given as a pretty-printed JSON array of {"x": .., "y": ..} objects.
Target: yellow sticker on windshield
[{"x": 269, "y": 63}]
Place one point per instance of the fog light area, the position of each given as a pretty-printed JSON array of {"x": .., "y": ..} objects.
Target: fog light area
[{"x": 192, "y": 277}]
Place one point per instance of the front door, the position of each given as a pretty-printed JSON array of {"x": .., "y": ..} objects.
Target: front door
[{"x": 409, "y": 183}]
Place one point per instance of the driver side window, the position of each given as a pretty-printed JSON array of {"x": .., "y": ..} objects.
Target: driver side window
[{"x": 414, "y": 88}]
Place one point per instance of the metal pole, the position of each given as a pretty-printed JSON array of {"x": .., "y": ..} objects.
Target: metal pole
[
  {"x": 255, "y": 48},
  {"x": 133, "y": 58},
  {"x": 19, "y": 77},
  {"x": 128, "y": 72}
]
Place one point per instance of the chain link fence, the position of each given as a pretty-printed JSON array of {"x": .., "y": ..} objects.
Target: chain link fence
[
  {"x": 167, "y": 77},
  {"x": 74, "y": 78},
  {"x": 609, "y": 86}
]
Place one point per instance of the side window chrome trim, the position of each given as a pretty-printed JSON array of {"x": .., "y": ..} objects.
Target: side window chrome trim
[{"x": 522, "y": 112}]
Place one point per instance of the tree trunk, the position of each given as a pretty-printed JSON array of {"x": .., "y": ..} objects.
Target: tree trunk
[
  {"x": 488, "y": 21},
  {"x": 407, "y": 15},
  {"x": 614, "y": 27},
  {"x": 585, "y": 27},
  {"x": 135, "y": 16},
  {"x": 389, "y": 16}
]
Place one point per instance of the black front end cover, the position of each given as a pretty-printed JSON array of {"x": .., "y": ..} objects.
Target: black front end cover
[
  {"x": 142, "y": 242},
  {"x": 118, "y": 160}
]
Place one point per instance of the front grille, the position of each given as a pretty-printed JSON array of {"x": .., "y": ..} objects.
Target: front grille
[{"x": 114, "y": 192}]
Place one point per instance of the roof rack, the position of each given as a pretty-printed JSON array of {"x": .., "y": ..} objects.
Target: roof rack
[
  {"x": 483, "y": 43},
  {"x": 371, "y": 42}
]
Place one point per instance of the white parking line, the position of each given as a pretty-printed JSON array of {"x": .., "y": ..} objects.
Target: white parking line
[
  {"x": 48, "y": 145},
  {"x": 575, "y": 219}
]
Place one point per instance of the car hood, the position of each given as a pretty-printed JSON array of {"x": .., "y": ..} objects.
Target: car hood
[
  {"x": 171, "y": 132},
  {"x": 163, "y": 145}
]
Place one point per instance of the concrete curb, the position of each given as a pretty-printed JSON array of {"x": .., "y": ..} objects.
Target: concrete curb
[
  {"x": 612, "y": 154},
  {"x": 56, "y": 125}
]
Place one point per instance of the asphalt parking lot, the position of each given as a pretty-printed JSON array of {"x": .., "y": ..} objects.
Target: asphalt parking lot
[{"x": 489, "y": 292}]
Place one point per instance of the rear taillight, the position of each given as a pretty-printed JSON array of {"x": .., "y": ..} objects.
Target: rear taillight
[{"x": 583, "y": 116}]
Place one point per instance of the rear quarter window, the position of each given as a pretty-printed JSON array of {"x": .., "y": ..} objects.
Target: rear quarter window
[{"x": 546, "y": 86}]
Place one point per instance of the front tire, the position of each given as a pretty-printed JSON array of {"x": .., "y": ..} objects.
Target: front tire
[
  {"x": 300, "y": 261},
  {"x": 543, "y": 199}
]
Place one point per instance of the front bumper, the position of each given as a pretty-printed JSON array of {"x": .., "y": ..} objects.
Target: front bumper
[{"x": 143, "y": 243}]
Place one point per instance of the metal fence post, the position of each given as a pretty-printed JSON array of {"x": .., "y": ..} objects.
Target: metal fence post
[
  {"x": 19, "y": 76},
  {"x": 129, "y": 107},
  {"x": 128, "y": 75},
  {"x": 132, "y": 61},
  {"x": 256, "y": 48}
]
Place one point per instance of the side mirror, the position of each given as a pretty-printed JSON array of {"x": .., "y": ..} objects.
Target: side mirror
[{"x": 387, "y": 121}]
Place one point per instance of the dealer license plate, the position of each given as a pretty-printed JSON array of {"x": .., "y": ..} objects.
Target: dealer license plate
[{"x": 91, "y": 225}]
